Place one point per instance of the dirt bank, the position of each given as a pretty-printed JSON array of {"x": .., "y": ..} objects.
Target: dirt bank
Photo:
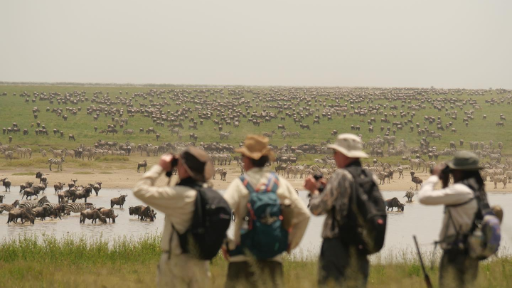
[{"x": 126, "y": 178}]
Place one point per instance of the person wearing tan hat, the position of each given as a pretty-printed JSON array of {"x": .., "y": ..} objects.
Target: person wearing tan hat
[
  {"x": 341, "y": 262},
  {"x": 457, "y": 269},
  {"x": 242, "y": 270},
  {"x": 194, "y": 167}
]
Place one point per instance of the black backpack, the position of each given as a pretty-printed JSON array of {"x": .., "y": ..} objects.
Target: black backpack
[
  {"x": 212, "y": 217},
  {"x": 365, "y": 227}
]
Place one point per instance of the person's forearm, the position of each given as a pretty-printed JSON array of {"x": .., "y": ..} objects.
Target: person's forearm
[
  {"x": 317, "y": 205},
  {"x": 428, "y": 196},
  {"x": 145, "y": 189}
]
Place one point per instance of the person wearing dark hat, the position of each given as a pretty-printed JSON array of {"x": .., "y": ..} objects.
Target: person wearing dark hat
[
  {"x": 457, "y": 268},
  {"x": 177, "y": 203},
  {"x": 243, "y": 269},
  {"x": 341, "y": 262}
]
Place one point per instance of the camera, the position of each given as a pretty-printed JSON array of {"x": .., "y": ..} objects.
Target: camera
[
  {"x": 317, "y": 177},
  {"x": 174, "y": 163},
  {"x": 444, "y": 172}
]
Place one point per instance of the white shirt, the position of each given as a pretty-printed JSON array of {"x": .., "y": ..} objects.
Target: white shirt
[
  {"x": 457, "y": 193},
  {"x": 177, "y": 203}
]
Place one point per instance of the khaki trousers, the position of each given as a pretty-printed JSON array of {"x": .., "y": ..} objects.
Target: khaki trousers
[{"x": 182, "y": 271}]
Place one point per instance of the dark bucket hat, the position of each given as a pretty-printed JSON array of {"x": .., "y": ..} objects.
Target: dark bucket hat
[
  {"x": 464, "y": 160},
  {"x": 198, "y": 163}
]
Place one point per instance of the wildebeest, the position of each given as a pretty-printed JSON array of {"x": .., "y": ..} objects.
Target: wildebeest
[
  {"x": 83, "y": 193},
  {"x": 23, "y": 214},
  {"x": 392, "y": 203},
  {"x": 92, "y": 215},
  {"x": 42, "y": 212},
  {"x": 96, "y": 187},
  {"x": 25, "y": 186},
  {"x": 143, "y": 164},
  {"x": 6, "y": 183},
  {"x": 41, "y": 178},
  {"x": 143, "y": 212},
  {"x": 108, "y": 213},
  {"x": 118, "y": 201},
  {"x": 29, "y": 192},
  {"x": 58, "y": 186},
  {"x": 8, "y": 207}
]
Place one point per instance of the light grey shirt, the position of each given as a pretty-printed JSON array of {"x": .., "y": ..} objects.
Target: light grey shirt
[{"x": 457, "y": 193}]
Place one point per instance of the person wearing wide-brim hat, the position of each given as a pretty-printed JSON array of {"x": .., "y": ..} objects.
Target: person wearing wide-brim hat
[
  {"x": 175, "y": 268},
  {"x": 457, "y": 268},
  {"x": 341, "y": 260},
  {"x": 243, "y": 271}
]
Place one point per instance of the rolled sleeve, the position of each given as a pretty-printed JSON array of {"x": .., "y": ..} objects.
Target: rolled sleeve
[
  {"x": 338, "y": 186},
  {"x": 160, "y": 198},
  {"x": 450, "y": 195}
]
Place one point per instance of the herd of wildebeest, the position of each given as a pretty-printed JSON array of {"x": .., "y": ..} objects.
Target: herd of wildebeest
[
  {"x": 383, "y": 117},
  {"x": 28, "y": 209}
]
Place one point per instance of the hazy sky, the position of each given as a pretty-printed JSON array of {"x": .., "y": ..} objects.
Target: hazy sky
[{"x": 312, "y": 43}]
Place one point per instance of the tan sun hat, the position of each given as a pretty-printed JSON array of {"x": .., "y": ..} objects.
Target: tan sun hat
[
  {"x": 198, "y": 164},
  {"x": 350, "y": 145},
  {"x": 256, "y": 146}
]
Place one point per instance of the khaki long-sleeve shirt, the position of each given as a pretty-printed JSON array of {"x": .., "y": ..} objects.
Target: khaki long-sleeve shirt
[
  {"x": 177, "y": 203},
  {"x": 237, "y": 197},
  {"x": 462, "y": 215}
]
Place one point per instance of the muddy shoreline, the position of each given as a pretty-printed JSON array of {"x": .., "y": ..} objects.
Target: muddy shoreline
[{"x": 126, "y": 179}]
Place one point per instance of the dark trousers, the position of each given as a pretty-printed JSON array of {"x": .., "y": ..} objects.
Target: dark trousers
[
  {"x": 342, "y": 265},
  {"x": 255, "y": 274},
  {"x": 457, "y": 269}
]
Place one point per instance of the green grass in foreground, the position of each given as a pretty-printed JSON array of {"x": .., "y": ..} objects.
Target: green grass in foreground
[{"x": 45, "y": 261}]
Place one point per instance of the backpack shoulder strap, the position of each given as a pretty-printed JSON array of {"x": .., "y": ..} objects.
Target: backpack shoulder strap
[
  {"x": 247, "y": 185},
  {"x": 272, "y": 183},
  {"x": 271, "y": 186}
]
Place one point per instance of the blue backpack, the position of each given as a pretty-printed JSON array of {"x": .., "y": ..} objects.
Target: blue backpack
[{"x": 264, "y": 237}]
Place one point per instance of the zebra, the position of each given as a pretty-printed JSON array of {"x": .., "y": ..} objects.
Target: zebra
[
  {"x": 34, "y": 203},
  {"x": 8, "y": 207},
  {"x": 58, "y": 162},
  {"x": 78, "y": 207}
]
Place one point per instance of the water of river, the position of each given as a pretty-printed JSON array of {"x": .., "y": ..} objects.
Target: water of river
[{"x": 422, "y": 221}]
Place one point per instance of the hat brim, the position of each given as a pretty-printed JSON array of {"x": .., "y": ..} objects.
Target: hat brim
[
  {"x": 256, "y": 155},
  {"x": 454, "y": 167},
  {"x": 207, "y": 175},
  {"x": 352, "y": 154}
]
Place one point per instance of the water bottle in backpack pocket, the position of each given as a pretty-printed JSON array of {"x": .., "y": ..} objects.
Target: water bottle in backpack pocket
[{"x": 265, "y": 236}]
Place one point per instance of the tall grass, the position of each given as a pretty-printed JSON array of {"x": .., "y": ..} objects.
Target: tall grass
[
  {"x": 73, "y": 249},
  {"x": 77, "y": 261}
]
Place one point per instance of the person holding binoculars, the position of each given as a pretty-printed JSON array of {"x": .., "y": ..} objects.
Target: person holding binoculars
[{"x": 177, "y": 269}]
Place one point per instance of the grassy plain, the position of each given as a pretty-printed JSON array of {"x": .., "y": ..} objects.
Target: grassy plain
[
  {"x": 14, "y": 109},
  {"x": 45, "y": 261}
]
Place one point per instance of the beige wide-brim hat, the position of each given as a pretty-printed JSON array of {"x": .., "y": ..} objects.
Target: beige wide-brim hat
[
  {"x": 464, "y": 160},
  {"x": 349, "y": 145},
  {"x": 256, "y": 146},
  {"x": 197, "y": 163}
]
